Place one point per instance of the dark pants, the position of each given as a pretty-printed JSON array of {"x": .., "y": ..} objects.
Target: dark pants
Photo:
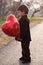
[{"x": 25, "y": 50}]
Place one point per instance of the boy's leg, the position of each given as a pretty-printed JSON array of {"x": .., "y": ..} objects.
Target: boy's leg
[{"x": 25, "y": 50}]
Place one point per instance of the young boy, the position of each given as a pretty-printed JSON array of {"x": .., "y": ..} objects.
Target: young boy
[{"x": 24, "y": 34}]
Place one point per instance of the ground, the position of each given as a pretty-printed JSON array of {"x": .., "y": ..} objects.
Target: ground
[{"x": 10, "y": 54}]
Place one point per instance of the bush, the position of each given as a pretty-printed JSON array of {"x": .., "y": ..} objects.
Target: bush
[{"x": 1, "y": 21}]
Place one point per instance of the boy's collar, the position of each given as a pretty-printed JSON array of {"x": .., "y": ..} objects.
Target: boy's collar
[{"x": 24, "y": 16}]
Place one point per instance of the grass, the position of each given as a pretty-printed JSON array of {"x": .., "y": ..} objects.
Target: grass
[
  {"x": 36, "y": 18},
  {"x": 31, "y": 18},
  {"x": 1, "y": 21}
]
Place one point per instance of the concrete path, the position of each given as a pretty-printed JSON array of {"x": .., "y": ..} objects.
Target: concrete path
[{"x": 10, "y": 54}]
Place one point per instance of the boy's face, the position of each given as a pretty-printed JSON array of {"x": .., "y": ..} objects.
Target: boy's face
[{"x": 21, "y": 13}]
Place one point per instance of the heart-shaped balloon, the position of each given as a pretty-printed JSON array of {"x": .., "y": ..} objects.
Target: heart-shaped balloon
[{"x": 11, "y": 26}]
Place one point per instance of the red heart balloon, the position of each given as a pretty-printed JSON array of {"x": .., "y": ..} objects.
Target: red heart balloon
[{"x": 11, "y": 26}]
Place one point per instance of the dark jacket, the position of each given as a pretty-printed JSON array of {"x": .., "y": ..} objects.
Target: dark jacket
[{"x": 25, "y": 29}]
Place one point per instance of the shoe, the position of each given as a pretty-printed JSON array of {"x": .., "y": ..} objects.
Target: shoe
[
  {"x": 22, "y": 58},
  {"x": 26, "y": 61}
]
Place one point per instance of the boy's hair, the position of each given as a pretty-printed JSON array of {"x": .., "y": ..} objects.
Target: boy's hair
[{"x": 23, "y": 8}]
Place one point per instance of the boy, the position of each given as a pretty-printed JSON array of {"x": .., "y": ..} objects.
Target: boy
[{"x": 24, "y": 34}]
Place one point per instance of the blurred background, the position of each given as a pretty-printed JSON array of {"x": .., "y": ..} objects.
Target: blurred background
[{"x": 10, "y": 6}]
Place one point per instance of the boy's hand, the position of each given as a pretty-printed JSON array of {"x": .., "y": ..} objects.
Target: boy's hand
[{"x": 18, "y": 38}]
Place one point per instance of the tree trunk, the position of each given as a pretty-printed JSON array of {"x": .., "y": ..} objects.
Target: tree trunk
[
  {"x": 0, "y": 7},
  {"x": 20, "y": 0}
]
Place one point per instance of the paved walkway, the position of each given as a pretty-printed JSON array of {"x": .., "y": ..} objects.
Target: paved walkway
[{"x": 9, "y": 55}]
